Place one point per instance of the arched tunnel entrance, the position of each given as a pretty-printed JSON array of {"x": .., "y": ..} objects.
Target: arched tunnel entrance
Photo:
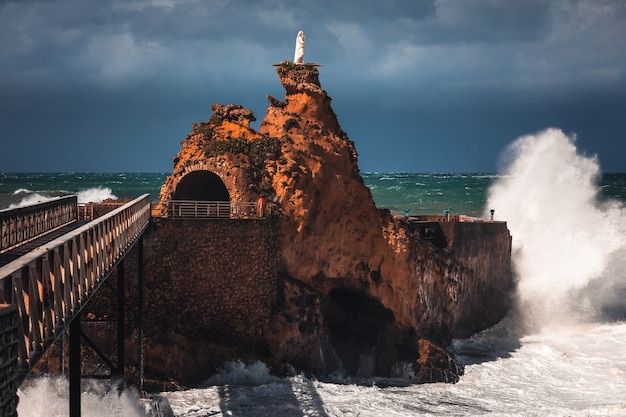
[{"x": 201, "y": 186}]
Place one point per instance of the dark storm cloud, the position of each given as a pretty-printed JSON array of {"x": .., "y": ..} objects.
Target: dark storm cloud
[
  {"x": 492, "y": 21},
  {"x": 403, "y": 75}
]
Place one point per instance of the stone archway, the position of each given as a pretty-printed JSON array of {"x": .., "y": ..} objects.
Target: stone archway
[{"x": 201, "y": 185}]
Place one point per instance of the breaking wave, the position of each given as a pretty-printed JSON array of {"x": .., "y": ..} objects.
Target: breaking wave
[
  {"x": 568, "y": 245},
  {"x": 89, "y": 195}
]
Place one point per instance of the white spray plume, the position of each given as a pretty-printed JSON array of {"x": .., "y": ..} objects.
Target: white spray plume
[
  {"x": 95, "y": 195},
  {"x": 89, "y": 195},
  {"x": 29, "y": 200},
  {"x": 563, "y": 236}
]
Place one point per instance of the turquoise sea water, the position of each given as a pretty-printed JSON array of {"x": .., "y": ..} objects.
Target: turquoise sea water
[
  {"x": 420, "y": 193},
  {"x": 29, "y": 188},
  {"x": 424, "y": 193}
]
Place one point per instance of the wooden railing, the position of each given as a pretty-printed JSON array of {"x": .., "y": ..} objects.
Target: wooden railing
[
  {"x": 23, "y": 224},
  {"x": 211, "y": 209},
  {"x": 52, "y": 283}
]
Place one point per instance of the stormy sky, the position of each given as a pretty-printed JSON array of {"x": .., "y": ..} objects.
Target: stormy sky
[{"x": 418, "y": 85}]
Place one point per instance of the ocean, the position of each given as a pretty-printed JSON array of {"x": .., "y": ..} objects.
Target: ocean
[
  {"x": 18, "y": 189},
  {"x": 400, "y": 192},
  {"x": 560, "y": 351}
]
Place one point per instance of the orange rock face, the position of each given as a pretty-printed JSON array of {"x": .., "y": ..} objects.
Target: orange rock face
[
  {"x": 334, "y": 236},
  {"x": 376, "y": 287},
  {"x": 330, "y": 216}
]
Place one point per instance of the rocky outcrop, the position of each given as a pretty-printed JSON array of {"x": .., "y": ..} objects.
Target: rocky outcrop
[
  {"x": 358, "y": 288},
  {"x": 333, "y": 236}
]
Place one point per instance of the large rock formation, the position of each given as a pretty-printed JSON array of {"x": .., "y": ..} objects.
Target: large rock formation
[{"x": 357, "y": 288}]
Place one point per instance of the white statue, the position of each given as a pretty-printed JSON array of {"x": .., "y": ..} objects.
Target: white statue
[{"x": 299, "y": 56}]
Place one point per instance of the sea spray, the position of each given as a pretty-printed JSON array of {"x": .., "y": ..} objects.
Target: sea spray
[
  {"x": 89, "y": 195},
  {"x": 95, "y": 195},
  {"x": 564, "y": 238},
  {"x": 50, "y": 397},
  {"x": 238, "y": 373},
  {"x": 28, "y": 198}
]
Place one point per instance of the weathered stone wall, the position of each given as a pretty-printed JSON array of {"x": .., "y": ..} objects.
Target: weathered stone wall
[
  {"x": 8, "y": 360},
  {"x": 220, "y": 275},
  {"x": 209, "y": 288}
]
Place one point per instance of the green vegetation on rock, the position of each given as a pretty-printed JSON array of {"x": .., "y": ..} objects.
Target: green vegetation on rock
[{"x": 258, "y": 152}]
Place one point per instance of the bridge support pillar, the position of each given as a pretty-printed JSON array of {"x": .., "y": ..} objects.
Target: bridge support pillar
[
  {"x": 121, "y": 330},
  {"x": 140, "y": 297},
  {"x": 75, "y": 367}
]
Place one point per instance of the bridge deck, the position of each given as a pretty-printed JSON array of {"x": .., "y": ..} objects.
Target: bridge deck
[{"x": 22, "y": 250}]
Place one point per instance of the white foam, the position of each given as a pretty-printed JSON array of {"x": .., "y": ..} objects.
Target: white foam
[
  {"x": 572, "y": 371},
  {"x": 95, "y": 195},
  {"x": 50, "y": 397},
  {"x": 89, "y": 195},
  {"x": 239, "y": 373},
  {"x": 22, "y": 191},
  {"x": 30, "y": 199},
  {"x": 564, "y": 371},
  {"x": 563, "y": 236}
]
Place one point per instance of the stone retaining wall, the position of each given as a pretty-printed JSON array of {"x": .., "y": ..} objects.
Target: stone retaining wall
[
  {"x": 209, "y": 288},
  {"x": 211, "y": 276}
]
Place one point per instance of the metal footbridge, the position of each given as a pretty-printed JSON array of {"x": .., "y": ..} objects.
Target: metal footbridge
[
  {"x": 55, "y": 255},
  {"x": 51, "y": 264}
]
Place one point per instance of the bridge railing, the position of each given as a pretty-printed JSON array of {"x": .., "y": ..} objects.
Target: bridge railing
[
  {"x": 23, "y": 224},
  {"x": 51, "y": 284},
  {"x": 186, "y": 209}
]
